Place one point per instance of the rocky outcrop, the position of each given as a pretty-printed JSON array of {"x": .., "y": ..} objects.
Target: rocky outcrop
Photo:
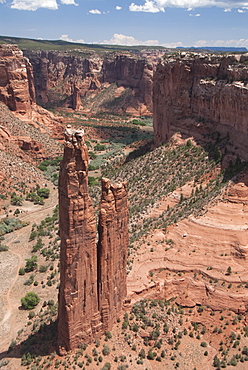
[
  {"x": 112, "y": 251},
  {"x": 56, "y": 74},
  {"x": 16, "y": 80},
  {"x": 91, "y": 288},
  {"x": 79, "y": 317},
  {"x": 194, "y": 93}
]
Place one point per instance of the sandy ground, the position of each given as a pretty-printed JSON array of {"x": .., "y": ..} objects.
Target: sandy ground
[{"x": 12, "y": 319}]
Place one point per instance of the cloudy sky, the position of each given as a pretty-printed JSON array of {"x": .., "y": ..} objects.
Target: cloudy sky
[{"x": 129, "y": 22}]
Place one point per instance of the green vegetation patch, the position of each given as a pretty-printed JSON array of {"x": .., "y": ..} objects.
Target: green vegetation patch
[{"x": 9, "y": 224}]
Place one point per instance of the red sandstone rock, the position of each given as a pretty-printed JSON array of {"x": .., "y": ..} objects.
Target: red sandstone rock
[
  {"x": 16, "y": 86},
  {"x": 195, "y": 93},
  {"x": 78, "y": 318},
  {"x": 76, "y": 101},
  {"x": 93, "y": 280},
  {"x": 56, "y": 75},
  {"x": 112, "y": 251},
  {"x": 26, "y": 143}
]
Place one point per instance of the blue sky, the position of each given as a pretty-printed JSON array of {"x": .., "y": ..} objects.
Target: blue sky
[{"x": 129, "y": 22}]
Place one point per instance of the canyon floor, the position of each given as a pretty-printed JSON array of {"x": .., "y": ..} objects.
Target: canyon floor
[{"x": 187, "y": 282}]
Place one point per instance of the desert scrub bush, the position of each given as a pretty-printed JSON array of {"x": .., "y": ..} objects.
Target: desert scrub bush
[
  {"x": 50, "y": 167},
  {"x": 16, "y": 200},
  {"x": 7, "y": 225},
  {"x": 30, "y": 300},
  {"x": 31, "y": 264},
  {"x": 4, "y": 362},
  {"x": 3, "y": 248}
]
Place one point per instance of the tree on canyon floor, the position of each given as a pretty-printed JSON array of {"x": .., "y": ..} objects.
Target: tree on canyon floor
[{"x": 30, "y": 300}]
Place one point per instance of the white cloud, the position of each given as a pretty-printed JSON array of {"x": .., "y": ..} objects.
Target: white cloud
[
  {"x": 68, "y": 2},
  {"x": 241, "y": 11},
  {"x": 154, "y": 6},
  {"x": 119, "y": 39},
  {"x": 66, "y": 38},
  {"x": 118, "y": 7},
  {"x": 172, "y": 44},
  {"x": 224, "y": 43},
  {"x": 148, "y": 7},
  {"x": 2, "y": 1},
  {"x": 34, "y": 4},
  {"x": 94, "y": 11},
  {"x": 195, "y": 15}
]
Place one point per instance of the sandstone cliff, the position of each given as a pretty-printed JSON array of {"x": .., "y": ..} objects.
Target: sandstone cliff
[
  {"x": 92, "y": 280},
  {"x": 16, "y": 80},
  {"x": 33, "y": 131},
  {"x": 196, "y": 93},
  {"x": 112, "y": 251},
  {"x": 56, "y": 74}
]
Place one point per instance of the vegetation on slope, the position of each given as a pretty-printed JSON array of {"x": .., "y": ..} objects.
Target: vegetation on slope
[{"x": 60, "y": 45}]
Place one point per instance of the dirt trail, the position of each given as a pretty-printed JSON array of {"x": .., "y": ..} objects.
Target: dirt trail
[{"x": 17, "y": 241}]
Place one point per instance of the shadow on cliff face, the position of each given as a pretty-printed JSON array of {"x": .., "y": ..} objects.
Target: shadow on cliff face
[{"x": 40, "y": 343}]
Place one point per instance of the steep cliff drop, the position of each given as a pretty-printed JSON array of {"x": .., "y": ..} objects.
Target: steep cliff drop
[
  {"x": 93, "y": 278},
  {"x": 112, "y": 251},
  {"x": 202, "y": 93},
  {"x": 113, "y": 82},
  {"x": 78, "y": 318}
]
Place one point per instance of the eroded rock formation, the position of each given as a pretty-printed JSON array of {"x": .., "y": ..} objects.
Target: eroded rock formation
[
  {"x": 92, "y": 289},
  {"x": 78, "y": 305},
  {"x": 56, "y": 74},
  {"x": 16, "y": 80},
  {"x": 196, "y": 93},
  {"x": 112, "y": 251}
]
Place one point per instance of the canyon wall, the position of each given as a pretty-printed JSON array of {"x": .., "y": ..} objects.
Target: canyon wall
[
  {"x": 196, "y": 93},
  {"x": 16, "y": 80},
  {"x": 121, "y": 82},
  {"x": 92, "y": 278}
]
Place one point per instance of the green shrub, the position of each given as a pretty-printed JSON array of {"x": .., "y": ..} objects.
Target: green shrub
[
  {"x": 3, "y": 248},
  {"x": 106, "y": 366},
  {"x": 151, "y": 355},
  {"x": 31, "y": 315},
  {"x": 43, "y": 193},
  {"x": 106, "y": 350},
  {"x": 16, "y": 200},
  {"x": 9, "y": 224},
  {"x": 99, "y": 147},
  {"x": 30, "y": 300},
  {"x": 31, "y": 264}
]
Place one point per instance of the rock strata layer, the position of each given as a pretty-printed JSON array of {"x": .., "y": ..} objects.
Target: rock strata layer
[
  {"x": 92, "y": 288},
  {"x": 194, "y": 93}
]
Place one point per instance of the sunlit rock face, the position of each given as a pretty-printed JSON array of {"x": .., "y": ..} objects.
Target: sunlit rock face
[
  {"x": 16, "y": 80},
  {"x": 195, "y": 93}
]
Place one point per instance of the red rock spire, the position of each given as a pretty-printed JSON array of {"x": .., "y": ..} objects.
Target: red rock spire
[
  {"x": 78, "y": 315},
  {"x": 92, "y": 278}
]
